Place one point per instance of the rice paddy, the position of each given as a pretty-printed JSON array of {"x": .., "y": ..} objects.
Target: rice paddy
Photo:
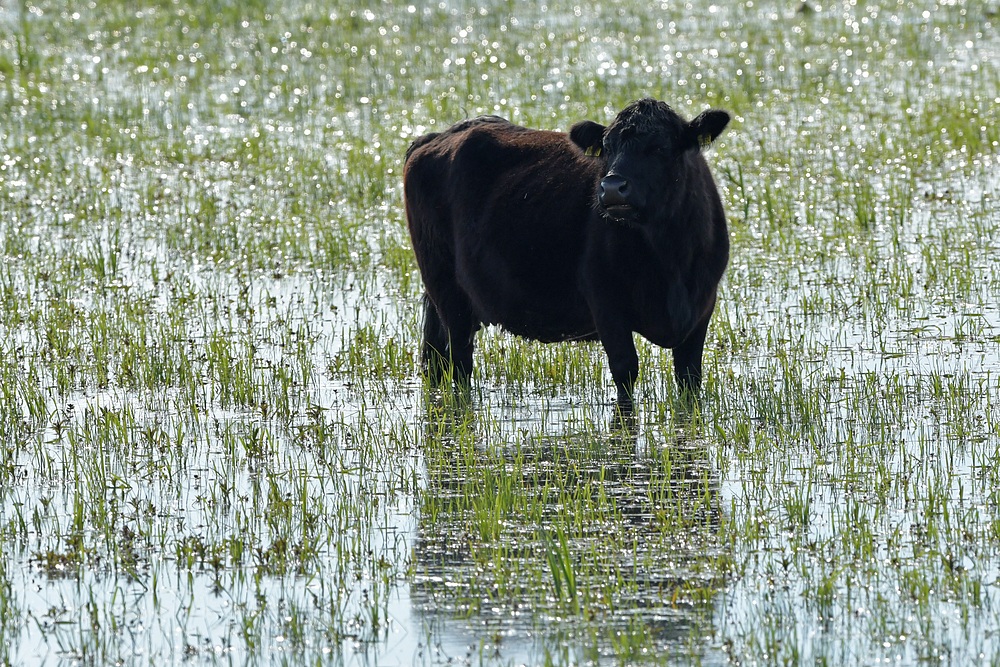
[{"x": 215, "y": 442}]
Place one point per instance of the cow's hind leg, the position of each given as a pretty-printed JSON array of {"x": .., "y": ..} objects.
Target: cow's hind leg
[
  {"x": 462, "y": 344},
  {"x": 434, "y": 354},
  {"x": 449, "y": 339},
  {"x": 461, "y": 327}
]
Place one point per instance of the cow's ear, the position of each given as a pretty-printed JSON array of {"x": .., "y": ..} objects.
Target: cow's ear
[
  {"x": 588, "y": 135},
  {"x": 707, "y": 126}
]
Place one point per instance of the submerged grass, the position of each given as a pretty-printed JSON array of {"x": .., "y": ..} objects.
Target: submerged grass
[{"x": 216, "y": 444}]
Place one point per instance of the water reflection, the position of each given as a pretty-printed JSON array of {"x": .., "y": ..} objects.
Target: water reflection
[{"x": 584, "y": 542}]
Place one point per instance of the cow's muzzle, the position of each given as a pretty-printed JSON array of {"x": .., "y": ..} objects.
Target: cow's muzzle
[{"x": 616, "y": 197}]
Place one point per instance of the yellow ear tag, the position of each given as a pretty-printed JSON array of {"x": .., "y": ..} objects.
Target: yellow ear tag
[{"x": 593, "y": 151}]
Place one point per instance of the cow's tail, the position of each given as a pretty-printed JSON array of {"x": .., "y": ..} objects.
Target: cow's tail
[{"x": 418, "y": 142}]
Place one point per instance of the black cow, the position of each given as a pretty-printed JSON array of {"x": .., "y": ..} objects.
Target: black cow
[{"x": 592, "y": 235}]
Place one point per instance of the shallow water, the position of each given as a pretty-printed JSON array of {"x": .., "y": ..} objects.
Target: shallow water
[{"x": 217, "y": 447}]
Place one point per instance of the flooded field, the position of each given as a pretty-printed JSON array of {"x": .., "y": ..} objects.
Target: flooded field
[{"x": 215, "y": 442}]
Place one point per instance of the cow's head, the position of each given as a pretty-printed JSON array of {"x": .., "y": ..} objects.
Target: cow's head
[{"x": 647, "y": 149}]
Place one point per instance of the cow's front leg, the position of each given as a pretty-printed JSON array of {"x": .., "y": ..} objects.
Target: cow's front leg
[
  {"x": 623, "y": 360},
  {"x": 687, "y": 358}
]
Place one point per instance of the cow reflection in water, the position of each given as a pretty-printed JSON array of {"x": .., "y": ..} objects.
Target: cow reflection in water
[{"x": 530, "y": 542}]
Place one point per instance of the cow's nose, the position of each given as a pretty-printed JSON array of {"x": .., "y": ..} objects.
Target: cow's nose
[{"x": 614, "y": 191}]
